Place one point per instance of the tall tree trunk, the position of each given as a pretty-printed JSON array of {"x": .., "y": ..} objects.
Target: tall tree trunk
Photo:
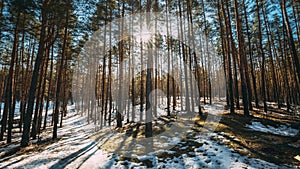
[
  {"x": 142, "y": 71},
  {"x": 2, "y": 87},
  {"x": 187, "y": 95},
  {"x": 10, "y": 91},
  {"x": 241, "y": 54},
  {"x": 132, "y": 70},
  {"x": 121, "y": 59},
  {"x": 290, "y": 37},
  {"x": 23, "y": 72},
  {"x": 149, "y": 100},
  {"x": 274, "y": 80},
  {"x": 234, "y": 57},
  {"x": 247, "y": 75},
  {"x": 262, "y": 55},
  {"x": 251, "y": 62},
  {"x": 38, "y": 101},
  {"x": 49, "y": 88},
  {"x": 227, "y": 44},
  {"x": 168, "y": 62},
  {"x": 223, "y": 43},
  {"x": 26, "y": 85},
  {"x": 41, "y": 108},
  {"x": 110, "y": 71},
  {"x": 59, "y": 79},
  {"x": 5, "y": 110},
  {"x": 34, "y": 79},
  {"x": 103, "y": 78},
  {"x": 148, "y": 129}
]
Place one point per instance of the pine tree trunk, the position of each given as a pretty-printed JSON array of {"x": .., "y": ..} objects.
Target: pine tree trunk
[
  {"x": 148, "y": 129},
  {"x": 227, "y": 44},
  {"x": 274, "y": 80},
  {"x": 234, "y": 57},
  {"x": 49, "y": 88},
  {"x": 109, "y": 72},
  {"x": 290, "y": 37},
  {"x": 103, "y": 79},
  {"x": 262, "y": 55},
  {"x": 241, "y": 54},
  {"x": 223, "y": 53},
  {"x": 34, "y": 80},
  {"x": 121, "y": 59},
  {"x": 142, "y": 72},
  {"x": 11, "y": 81},
  {"x": 168, "y": 63},
  {"x": 38, "y": 101},
  {"x": 187, "y": 95},
  {"x": 251, "y": 64},
  {"x": 41, "y": 106},
  {"x": 59, "y": 80}
]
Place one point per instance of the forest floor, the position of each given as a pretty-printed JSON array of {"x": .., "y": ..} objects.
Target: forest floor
[{"x": 260, "y": 141}]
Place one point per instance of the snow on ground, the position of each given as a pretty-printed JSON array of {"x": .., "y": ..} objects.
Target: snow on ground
[
  {"x": 74, "y": 139},
  {"x": 76, "y": 149},
  {"x": 214, "y": 155},
  {"x": 17, "y": 110},
  {"x": 18, "y": 106},
  {"x": 283, "y": 130}
]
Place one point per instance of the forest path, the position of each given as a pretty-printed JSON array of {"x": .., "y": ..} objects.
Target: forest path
[{"x": 79, "y": 146}]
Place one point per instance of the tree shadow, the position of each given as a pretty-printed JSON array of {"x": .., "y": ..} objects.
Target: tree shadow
[
  {"x": 67, "y": 160},
  {"x": 86, "y": 158},
  {"x": 18, "y": 150},
  {"x": 72, "y": 157},
  {"x": 12, "y": 163},
  {"x": 36, "y": 163},
  {"x": 266, "y": 146}
]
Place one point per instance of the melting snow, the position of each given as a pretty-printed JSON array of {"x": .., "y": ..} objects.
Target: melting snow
[
  {"x": 76, "y": 150},
  {"x": 283, "y": 130}
]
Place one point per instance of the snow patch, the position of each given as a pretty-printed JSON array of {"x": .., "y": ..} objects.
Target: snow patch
[{"x": 282, "y": 130}]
